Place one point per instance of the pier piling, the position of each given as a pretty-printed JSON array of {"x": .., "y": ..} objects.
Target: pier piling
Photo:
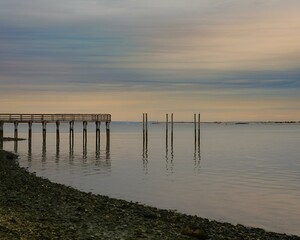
[
  {"x": 16, "y": 129},
  {"x": 1, "y": 130},
  {"x": 199, "y": 129},
  {"x": 172, "y": 127}
]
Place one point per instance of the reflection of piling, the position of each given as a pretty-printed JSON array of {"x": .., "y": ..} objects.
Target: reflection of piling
[{"x": 44, "y": 149}]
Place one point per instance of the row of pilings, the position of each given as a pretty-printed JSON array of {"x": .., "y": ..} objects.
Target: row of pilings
[
  {"x": 170, "y": 124},
  {"x": 71, "y": 134}
]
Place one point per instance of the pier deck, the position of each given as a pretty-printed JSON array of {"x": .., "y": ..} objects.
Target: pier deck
[
  {"x": 30, "y": 119},
  {"x": 40, "y": 118}
]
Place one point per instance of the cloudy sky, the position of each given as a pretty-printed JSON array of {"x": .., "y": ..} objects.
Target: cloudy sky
[{"x": 228, "y": 59}]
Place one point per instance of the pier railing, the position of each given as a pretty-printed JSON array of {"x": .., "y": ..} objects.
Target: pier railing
[{"x": 54, "y": 117}]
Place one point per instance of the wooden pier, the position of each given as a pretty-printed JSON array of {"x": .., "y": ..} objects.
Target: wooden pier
[{"x": 44, "y": 119}]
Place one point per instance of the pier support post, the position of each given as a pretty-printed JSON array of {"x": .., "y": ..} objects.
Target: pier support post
[
  {"x": 172, "y": 133},
  {"x": 98, "y": 124},
  {"x": 71, "y": 136},
  {"x": 167, "y": 129},
  {"x": 71, "y": 126},
  {"x": 1, "y": 135},
  {"x": 195, "y": 128},
  {"x": 44, "y": 130},
  {"x": 199, "y": 129},
  {"x": 16, "y": 129},
  {"x": 57, "y": 135},
  {"x": 107, "y": 136},
  {"x": 29, "y": 131},
  {"x": 145, "y": 129},
  {"x": 144, "y": 132},
  {"x": 1, "y": 130},
  {"x": 29, "y": 137},
  {"x": 84, "y": 135}
]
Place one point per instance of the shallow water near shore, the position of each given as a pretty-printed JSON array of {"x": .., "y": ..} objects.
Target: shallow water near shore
[{"x": 246, "y": 174}]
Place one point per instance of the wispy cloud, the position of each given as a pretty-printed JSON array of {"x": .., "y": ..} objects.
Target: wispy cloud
[{"x": 199, "y": 51}]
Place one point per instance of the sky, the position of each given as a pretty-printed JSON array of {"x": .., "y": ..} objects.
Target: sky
[{"x": 226, "y": 59}]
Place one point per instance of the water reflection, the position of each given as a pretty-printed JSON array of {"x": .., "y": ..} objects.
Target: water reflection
[
  {"x": 71, "y": 142},
  {"x": 44, "y": 150},
  {"x": 145, "y": 154},
  {"x": 101, "y": 157},
  {"x": 169, "y": 156},
  {"x": 197, "y": 156}
]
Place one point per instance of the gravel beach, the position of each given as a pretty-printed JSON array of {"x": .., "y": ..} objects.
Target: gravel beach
[{"x": 35, "y": 208}]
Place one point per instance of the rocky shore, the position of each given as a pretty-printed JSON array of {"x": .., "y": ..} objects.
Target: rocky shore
[{"x": 35, "y": 208}]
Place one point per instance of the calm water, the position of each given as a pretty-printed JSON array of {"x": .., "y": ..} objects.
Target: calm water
[{"x": 248, "y": 174}]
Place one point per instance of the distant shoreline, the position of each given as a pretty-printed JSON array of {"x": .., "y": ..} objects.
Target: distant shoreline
[
  {"x": 233, "y": 122},
  {"x": 35, "y": 208}
]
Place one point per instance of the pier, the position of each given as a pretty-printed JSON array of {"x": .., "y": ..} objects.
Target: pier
[{"x": 44, "y": 119}]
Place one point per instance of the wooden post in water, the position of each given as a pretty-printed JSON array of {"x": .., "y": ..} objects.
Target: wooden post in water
[
  {"x": 1, "y": 130},
  {"x": 71, "y": 136},
  {"x": 57, "y": 136},
  {"x": 195, "y": 129},
  {"x": 85, "y": 130},
  {"x": 29, "y": 136},
  {"x": 29, "y": 131},
  {"x": 16, "y": 129},
  {"x": 1, "y": 134},
  {"x": 146, "y": 130},
  {"x": 84, "y": 139},
  {"x": 167, "y": 130},
  {"x": 98, "y": 124},
  {"x": 107, "y": 136},
  {"x": 172, "y": 134},
  {"x": 44, "y": 123},
  {"x": 198, "y": 129}
]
